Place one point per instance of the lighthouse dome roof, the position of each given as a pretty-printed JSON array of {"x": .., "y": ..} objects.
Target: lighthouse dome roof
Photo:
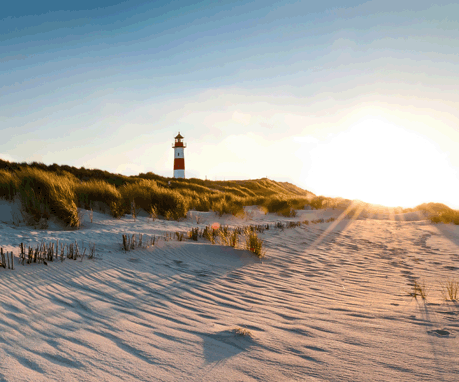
[{"x": 178, "y": 136}]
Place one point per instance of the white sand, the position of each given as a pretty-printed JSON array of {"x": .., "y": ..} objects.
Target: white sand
[{"x": 328, "y": 303}]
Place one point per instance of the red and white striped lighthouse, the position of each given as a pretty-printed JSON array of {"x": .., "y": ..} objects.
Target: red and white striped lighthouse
[{"x": 179, "y": 157}]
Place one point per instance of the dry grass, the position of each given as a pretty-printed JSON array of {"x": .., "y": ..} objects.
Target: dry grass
[
  {"x": 254, "y": 244},
  {"x": 193, "y": 234},
  {"x": 131, "y": 242},
  {"x": 156, "y": 200},
  {"x": 53, "y": 251},
  {"x": 234, "y": 239},
  {"x": 9, "y": 185},
  {"x": 450, "y": 290},
  {"x": 243, "y": 332},
  {"x": 419, "y": 289},
  {"x": 42, "y": 193},
  {"x": 94, "y": 190}
]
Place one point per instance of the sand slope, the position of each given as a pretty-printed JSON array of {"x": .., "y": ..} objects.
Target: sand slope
[{"x": 328, "y": 303}]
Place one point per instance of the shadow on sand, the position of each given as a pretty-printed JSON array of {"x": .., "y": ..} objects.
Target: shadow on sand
[{"x": 225, "y": 344}]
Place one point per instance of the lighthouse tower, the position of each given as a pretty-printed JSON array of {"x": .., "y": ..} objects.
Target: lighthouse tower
[{"x": 179, "y": 157}]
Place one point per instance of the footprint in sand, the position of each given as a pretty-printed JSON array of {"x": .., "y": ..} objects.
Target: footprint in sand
[
  {"x": 440, "y": 333},
  {"x": 180, "y": 263}
]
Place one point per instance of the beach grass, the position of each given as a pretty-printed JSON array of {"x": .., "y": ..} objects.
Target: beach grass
[
  {"x": 450, "y": 289},
  {"x": 419, "y": 288},
  {"x": 58, "y": 190},
  {"x": 254, "y": 244}
]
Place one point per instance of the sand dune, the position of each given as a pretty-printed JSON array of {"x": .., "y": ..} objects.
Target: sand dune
[{"x": 329, "y": 302}]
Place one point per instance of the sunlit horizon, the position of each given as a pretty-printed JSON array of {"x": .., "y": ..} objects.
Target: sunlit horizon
[{"x": 354, "y": 99}]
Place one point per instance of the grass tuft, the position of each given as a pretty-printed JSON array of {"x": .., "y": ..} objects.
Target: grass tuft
[
  {"x": 254, "y": 244},
  {"x": 419, "y": 289},
  {"x": 450, "y": 290},
  {"x": 243, "y": 332}
]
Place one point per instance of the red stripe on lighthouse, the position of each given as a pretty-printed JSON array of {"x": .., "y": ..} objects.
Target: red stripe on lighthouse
[{"x": 179, "y": 164}]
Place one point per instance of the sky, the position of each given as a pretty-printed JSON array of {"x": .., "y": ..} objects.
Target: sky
[{"x": 356, "y": 99}]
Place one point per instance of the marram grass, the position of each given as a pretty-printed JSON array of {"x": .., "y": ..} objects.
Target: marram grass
[{"x": 43, "y": 194}]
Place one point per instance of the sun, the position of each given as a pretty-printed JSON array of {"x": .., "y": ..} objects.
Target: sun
[{"x": 382, "y": 163}]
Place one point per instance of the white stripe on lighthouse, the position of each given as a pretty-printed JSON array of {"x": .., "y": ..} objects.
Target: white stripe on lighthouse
[
  {"x": 179, "y": 153},
  {"x": 179, "y": 173}
]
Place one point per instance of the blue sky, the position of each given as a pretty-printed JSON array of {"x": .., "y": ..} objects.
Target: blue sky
[{"x": 344, "y": 98}]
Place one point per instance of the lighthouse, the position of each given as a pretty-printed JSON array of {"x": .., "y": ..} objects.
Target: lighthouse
[{"x": 179, "y": 157}]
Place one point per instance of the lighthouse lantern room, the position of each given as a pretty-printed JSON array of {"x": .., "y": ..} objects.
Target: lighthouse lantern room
[{"x": 179, "y": 157}]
